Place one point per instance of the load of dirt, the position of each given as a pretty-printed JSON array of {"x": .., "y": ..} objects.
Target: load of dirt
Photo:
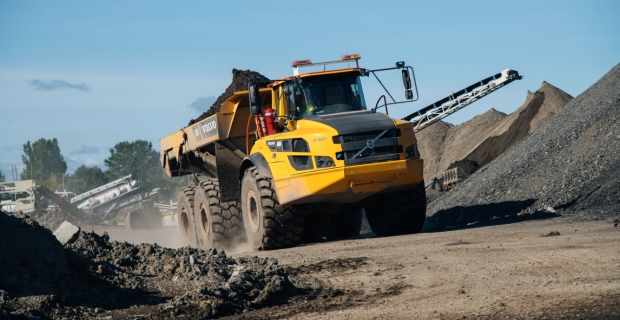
[
  {"x": 93, "y": 274},
  {"x": 240, "y": 81},
  {"x": 473, "y": 144},
  {"x": 570, "y": 164}
]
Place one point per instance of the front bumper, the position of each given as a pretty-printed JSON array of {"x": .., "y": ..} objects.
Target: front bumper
[{"x": 349, "y": 184}]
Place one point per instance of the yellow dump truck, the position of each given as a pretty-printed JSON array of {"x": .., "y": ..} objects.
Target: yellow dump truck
[{"x": 299, "y": 158}]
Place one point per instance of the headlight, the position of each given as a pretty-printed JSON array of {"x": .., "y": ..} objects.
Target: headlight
[
  {"x": 412, "y": 152},
  {"x": 324, "y": 161}
]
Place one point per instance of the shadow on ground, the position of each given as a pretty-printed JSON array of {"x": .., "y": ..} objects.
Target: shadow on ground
[{"x": 459, "y": 217}]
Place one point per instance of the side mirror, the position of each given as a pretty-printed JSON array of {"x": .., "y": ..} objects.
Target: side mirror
[
  {"x": 409, "y": 94},
  {"x": 406, "y": 79},
  {"x": 254, "y": 95}
]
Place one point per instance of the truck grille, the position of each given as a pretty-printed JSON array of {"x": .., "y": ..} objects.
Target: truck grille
[{"x": 385, "y": 148}]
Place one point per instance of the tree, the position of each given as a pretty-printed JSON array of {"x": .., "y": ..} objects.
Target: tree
[
  {"x": 2, "y": 176},
  {"x": 86, "y": 178},
  {"x": 136, "y": 157},
  {"x": 43, "y": 160}
]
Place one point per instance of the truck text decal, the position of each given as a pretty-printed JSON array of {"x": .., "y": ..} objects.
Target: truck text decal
[{"x": 205, "y": 129}]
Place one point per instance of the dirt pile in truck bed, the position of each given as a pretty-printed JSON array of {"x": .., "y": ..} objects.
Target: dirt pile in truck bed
[
  {"x": 93, "y": 274},
  {"x": 571, "y": 164},
  {"x": 240, "y": 81},
  {"x": 478, "y": 141}
]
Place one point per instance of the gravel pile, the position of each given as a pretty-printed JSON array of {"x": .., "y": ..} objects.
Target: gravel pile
[
  {"x": 92, "y": 274},
  {"x": 570, "y": 164},
  {"x": 240, "y": 81},
  {"x": 53, "y": 218},
  {"x": 478, "y": 141}
]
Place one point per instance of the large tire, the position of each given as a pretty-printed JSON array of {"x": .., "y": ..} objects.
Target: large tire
[
  {"x": 185, "y": 216},
  {"x": 398, "y": 213},
  {"x": 346, "y": 225},
  {"x": 268, "y": 224},
  {"x": 320, "y": 226},
  {"x": 218, "y": 223}
]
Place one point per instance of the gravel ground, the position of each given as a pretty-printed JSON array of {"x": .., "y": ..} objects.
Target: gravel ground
[{"x": 570, "y": 165}]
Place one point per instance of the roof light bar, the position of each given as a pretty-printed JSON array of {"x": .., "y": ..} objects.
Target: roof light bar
[
  {"x": 308, "y": 63},
  {"x": 300, "y": 62},
  {"x": 354, "y": 56}
]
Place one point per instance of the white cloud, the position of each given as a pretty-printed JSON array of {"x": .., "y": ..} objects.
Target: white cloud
[{"x": 91, "y": 162}]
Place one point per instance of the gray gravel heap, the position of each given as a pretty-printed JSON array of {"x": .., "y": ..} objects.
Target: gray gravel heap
[{"x": 569, "y": 165}]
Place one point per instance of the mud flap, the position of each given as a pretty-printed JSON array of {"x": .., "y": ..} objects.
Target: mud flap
[
  {"x": 228, "y": 164},
  {"x": 139, "y": 219}
]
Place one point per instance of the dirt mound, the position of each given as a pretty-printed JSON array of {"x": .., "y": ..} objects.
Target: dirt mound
[
  {"x": 570, "y": 164},
  {"x": 93, "y": 274},
  {"x": 240, "y": 81},
  {"x": 537, "y": 109},
  {"x": 478, "y": 141},
  {"x": 53, "y": 218},
  {"x": 443, "y": 144}
]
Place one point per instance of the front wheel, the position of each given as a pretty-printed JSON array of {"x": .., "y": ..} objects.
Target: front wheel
[
  {"x": 398, "y": 213},
  {"x": 268, "y": 224}
]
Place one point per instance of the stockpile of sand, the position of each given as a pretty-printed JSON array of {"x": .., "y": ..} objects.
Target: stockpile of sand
[
  {"x": 478, "y": 141},
  {"x": 240, "y": 82},
  {"x": 93, "y": 274},
  {"x": 569, "y": 164}
]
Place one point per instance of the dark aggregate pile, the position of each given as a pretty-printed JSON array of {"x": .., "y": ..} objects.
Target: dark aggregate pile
[
  {"x": 240, "y": 81},
  {"x": 53, "y": 219},
  {"x": 571, "y": 164},
  {"x": 93, "y": 274}
]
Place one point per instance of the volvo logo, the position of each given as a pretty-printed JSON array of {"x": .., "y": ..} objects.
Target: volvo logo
[{"x": 370, "y": 144}]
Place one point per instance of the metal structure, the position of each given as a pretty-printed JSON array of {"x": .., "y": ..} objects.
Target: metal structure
[
  {"x": 427, "y": 116},
  {"x": 17, "y": 196},
  {"x": 99, "y": 204}
]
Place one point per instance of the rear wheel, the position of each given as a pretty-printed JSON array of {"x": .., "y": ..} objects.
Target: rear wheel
[
  {"x": 218, "y": 223},
  {"x": 268, "y": 224},
  {"x": 185, "y": 214},
  {"x": 398, "y": 213}
]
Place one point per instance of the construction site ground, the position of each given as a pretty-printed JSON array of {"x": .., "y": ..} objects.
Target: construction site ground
[{"x": 555, "y": 267}]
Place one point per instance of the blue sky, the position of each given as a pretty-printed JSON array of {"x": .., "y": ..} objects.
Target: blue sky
[{"x": 92, "y": 74}]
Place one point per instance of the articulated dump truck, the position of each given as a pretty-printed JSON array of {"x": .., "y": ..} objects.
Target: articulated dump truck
[{"x": 297, "y": 160}]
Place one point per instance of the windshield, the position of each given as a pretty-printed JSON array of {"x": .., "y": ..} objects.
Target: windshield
[{"x": 325, "y": 95}]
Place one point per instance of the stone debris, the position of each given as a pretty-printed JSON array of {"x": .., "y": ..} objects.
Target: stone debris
[
  {"x": 67, "y": 232},
  {"x": 49, "y": 279}
]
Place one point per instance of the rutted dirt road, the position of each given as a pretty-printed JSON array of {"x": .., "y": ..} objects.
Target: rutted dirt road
[{"x": 502, "y": 271}]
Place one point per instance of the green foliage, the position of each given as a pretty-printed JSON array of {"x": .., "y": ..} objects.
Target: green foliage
[
  {"x": 2, "y": 176},
  {"x": 43, "y": 161},
  {"x": 139, "y": 158},
  {"x": 85, "y": 178}
]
